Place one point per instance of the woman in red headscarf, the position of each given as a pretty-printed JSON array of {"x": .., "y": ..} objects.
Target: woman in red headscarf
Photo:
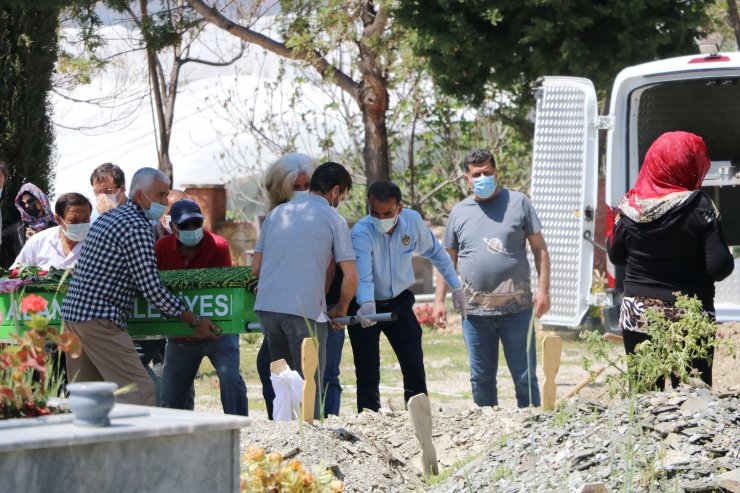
[{"x": 668, "y": 234}]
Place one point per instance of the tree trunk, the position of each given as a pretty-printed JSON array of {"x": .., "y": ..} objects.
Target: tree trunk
[
  {"x": 157, "y": 88},
  {"x": 734, "y": 20},
  {"x": 374, "y": 105},
  {"x": 372, "y": 95}
]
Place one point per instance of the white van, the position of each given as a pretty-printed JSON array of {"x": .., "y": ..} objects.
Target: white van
[{"x": 699, "y": 94}]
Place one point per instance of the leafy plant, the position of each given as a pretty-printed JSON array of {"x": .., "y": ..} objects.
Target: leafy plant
[
  {"x": 268, "y": 473},
  {"x": 672, "y": 345},
  {"x": 598, "y": 285},
  {"x": 20, "y": 394}
]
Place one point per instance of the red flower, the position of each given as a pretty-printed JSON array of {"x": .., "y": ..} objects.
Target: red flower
[{"x": 33, "y": 303}]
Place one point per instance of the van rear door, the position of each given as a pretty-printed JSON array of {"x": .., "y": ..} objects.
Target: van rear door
[{"x": 563, "y": 190}]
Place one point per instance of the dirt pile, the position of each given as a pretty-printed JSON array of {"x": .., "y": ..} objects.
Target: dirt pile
[
  {"x": 378, "y": 452},
  {"x": 679, "y": 440},
  {"x": 682, "y": 440}
]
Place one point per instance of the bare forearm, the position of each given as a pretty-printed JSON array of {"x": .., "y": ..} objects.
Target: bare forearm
[
  {"x": 441, "y": 290},
  {"x": 542, "y": 263}
]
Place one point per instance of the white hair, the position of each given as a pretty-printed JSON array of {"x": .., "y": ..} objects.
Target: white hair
[
  {"x": 144, "y": 177},
  {"x": 281, "y": 175}
]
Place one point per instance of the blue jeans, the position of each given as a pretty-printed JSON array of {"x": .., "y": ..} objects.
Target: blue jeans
[
  {"x": 182, "y": 360},
  {"x": 482, "y": 334},
  {"x": 152, "y": 352},
  {"x": 333, "y": 393}
]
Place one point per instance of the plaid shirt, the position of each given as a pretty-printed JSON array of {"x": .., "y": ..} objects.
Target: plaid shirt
[{"x": 116, "y": 264}]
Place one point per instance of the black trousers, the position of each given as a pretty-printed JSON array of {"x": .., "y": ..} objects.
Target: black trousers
[
  {"x": 404, "y": 335},
  {"x": 632, "y": 339}
]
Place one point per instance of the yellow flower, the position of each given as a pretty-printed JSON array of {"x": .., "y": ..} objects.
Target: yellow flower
[
  {"x": 307, "y": 479},
  {"x": 295, "y": 465},
  {"x": 275, "y": 457},
  {"x": 255, "y": 454}
]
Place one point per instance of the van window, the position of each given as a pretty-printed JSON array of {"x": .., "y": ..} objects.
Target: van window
[{"x": 707, "y": 107}]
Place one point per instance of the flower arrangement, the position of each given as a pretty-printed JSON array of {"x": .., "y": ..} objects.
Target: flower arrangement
[
  {"x": 25, "y": 384},
  {"x": 268, "y": 473},
  {"x": 424, "y": 314}
]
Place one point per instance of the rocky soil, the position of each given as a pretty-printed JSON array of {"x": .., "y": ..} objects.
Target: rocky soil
[
  {"x": 687, "y": 439},
  {"x": 681, "y": 440}
]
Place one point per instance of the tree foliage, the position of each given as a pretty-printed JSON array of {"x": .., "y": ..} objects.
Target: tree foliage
[
  {"x": 471, "y": 44},
  {"x": 28, "y": 40}
]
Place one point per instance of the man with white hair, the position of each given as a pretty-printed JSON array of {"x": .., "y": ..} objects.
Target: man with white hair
[{"x": 116, "y": 264}]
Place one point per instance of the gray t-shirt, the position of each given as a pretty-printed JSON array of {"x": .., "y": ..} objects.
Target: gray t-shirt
[
  {"x": 297, "y": 241},
  {"x": 490, "y": 238}
]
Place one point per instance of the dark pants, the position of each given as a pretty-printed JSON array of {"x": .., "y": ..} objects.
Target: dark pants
[
  {"x": 263, "y": 370},
  {"x": 633, "y": 338},
  {"x": 404, "y": 335},
  {"x": 151, "y": 352}
]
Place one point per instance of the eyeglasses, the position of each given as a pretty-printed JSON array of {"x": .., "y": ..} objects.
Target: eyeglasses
[
  {"x": 194, "y": 223},
  {"x": 28, "y": 202}
]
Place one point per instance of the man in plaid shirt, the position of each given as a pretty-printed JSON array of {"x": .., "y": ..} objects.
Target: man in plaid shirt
[{"x": 116, "y": 264}]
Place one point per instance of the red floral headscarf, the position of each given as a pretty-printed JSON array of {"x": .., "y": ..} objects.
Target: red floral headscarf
[{"x": 674, "y": 166}]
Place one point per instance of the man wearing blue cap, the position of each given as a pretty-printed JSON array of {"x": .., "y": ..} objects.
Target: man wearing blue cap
[
  {"x": 190, "y": 247},
  {"x": 117, "y": 263}
]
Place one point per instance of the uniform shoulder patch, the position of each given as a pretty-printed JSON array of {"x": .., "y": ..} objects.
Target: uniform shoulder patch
[
  {"x": 710, "y": 214},
  {"x": 406, "y": 240}
]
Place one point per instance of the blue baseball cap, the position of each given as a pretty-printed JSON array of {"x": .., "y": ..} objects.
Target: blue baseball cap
[{"x": 183, "y": 210}]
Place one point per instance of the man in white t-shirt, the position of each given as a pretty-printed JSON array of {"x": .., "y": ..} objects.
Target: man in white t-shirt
[{"x": 59, "y": 247}]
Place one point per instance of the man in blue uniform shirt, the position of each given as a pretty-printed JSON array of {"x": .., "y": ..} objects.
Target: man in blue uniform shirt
[{"x": 384, "y": 243}]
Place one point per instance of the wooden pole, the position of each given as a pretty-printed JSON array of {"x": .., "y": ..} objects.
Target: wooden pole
[
  {"x": 309, "y": 363},
  {"x": 420, "y": 413},
  {"x": 552, "y": 347},
  {"x": 586, "y": 380}
]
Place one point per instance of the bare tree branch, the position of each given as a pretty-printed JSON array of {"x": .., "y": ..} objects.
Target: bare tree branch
[{"x": 326, "y": 69}]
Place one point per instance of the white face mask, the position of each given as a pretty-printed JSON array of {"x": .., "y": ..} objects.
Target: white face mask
[
  {"x": 76, "y": 232},
  {"x": 190, "y": 237},
  {"x": 110, "y": 198},
  {"x": 385, "y": 225},
  {"x": 298, "y": 194},
  {"x": 167, "y": 223}
]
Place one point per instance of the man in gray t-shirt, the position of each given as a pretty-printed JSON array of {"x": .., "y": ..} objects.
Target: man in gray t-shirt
[
  {"x": 486, "y": 238},
  {"x": 298, "y": 241}
]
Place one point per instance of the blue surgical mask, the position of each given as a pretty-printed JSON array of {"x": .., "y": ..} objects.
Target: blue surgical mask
[
  {"x": 384, "y": 225},
  {"x": 76, "y": 232},
  {"x": 190, "y": 237},
  {"x": 298, "y": 194},
  {"x": 155, "y": 210},
  {"x": 484, "y": 186}
]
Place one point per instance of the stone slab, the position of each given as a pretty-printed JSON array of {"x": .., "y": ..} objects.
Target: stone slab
[{"x": 145, "y": 449}]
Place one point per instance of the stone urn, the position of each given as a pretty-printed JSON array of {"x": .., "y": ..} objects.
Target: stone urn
[{"x": 90, "y": 402}]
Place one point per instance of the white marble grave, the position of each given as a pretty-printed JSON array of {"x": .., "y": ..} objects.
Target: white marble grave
[{"x": 145, "y": 450}]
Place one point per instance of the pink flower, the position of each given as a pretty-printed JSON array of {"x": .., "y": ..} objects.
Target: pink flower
[{"x": 33, "y": 303}]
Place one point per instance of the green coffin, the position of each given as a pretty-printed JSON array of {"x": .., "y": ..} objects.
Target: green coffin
[{"x": 225, "y": 295}]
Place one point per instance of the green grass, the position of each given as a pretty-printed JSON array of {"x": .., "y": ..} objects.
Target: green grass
[{"x": 445, "y": 359}]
